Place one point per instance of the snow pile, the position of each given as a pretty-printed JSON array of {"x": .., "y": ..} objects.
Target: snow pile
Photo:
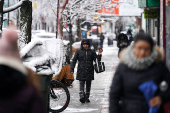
[
  {"x": 76, "y": 45},
  {"x": 75, "y": 110},
  {"x": 44, "y": 57},
  {"x": 15, "y": 6}
]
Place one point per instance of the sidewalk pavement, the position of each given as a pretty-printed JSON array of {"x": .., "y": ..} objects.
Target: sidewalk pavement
[{"x": 100, "y": 86}]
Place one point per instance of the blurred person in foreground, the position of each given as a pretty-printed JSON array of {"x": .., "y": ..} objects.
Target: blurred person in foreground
[
  {"x": 17, "y": 84},
  {"x": 140, "y": 63},
  {"x": 122, "y": 42},
  {"x": 85, "y": 71}
]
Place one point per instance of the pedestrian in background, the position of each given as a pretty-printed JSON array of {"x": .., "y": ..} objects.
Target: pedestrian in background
[
  {"x": 129, "y": 35},
  {"x": 122, "y": 42},
  {"x": 18, "y": 88},
  {"x": 141, "y": 31},
  {"x": 101, "y": 40},
  {"x": 140, "y": 63},
  {"x": 85, "y": 71}
]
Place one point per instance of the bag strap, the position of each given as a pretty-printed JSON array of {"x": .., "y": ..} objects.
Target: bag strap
[
  {"x": 102, "y": 65},
  {"x": 97, "y": 64}
]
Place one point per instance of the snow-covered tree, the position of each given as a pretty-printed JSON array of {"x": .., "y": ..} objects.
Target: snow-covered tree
[
  {"x": 25, "y": 23},
  {"x": 1, "y": 15},
  {"x": 44, "y": 11},
  {"x": 25, "y": 19},
  {"x": 75, "y": 10}
]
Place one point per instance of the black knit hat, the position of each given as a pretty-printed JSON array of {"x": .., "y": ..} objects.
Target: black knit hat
[
  {"x": 144, "y": 37},
  {"x": 85, "y": 41}
]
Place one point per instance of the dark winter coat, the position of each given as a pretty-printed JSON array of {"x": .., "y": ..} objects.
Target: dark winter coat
[
  {"x": 102, "y": 37},
  {"x": 126, "y": 82},
  {"x": 129, "y": 35},
  {"x": 16, "y": 95},
  {"x": 85, "y": 58},
  {"x": 120, "y": 41}
]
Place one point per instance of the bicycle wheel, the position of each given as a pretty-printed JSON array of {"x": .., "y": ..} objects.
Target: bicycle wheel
[{"x": 59, "y": 97}]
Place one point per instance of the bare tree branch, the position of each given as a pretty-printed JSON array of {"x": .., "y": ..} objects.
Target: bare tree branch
[{"x": 11, "y": 8}]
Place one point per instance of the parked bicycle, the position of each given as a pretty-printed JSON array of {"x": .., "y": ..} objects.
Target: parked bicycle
[{"x": 59, "y": 97}]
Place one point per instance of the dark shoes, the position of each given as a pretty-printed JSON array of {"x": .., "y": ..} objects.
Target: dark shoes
[
  {"x": 87, "y": 97},
  {"x": 82, "y": 100},
  {"x": 87, "y": 100},
  {"x": 82, "y": 97}
]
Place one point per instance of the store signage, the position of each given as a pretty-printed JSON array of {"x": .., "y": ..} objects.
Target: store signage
[
  {"x": 113, "y": 10},
  {"x": 122, "y": 8},
  {"x": 151, "y": 13}
]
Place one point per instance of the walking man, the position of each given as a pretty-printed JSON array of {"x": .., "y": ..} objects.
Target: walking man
[{"x": 85, "y": 70}]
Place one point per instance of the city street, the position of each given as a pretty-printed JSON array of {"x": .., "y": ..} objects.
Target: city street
[
  {"x": 100, "y": 86},
  {"x": 38, "y": 43}
]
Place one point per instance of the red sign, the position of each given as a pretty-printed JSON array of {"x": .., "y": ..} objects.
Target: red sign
[{"x": 113, "y": 9}]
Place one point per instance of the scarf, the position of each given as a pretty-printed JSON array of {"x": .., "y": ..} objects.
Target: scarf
[{"x": 132, "y": 62}]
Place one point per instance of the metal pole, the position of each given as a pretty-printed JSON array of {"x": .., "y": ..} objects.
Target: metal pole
[
  {"x": 158, "y": 29},
  {"x": 8, "y": 13},
  {"x": 164, "y": 29},
  {"x": 57, "y": 18}
]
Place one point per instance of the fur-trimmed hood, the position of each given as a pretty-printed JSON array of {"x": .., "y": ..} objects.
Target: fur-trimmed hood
[{"x": 128, "y": 58}]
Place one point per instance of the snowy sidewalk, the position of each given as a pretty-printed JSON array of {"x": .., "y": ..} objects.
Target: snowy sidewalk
[{"x": 100, "y": 86}]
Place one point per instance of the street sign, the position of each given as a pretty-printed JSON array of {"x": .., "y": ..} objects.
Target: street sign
[{"x": 35, "y": 5}]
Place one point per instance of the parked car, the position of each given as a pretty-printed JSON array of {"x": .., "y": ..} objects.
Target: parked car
[
  {"x": 34, "y": 32},
  {"x": 95, "y": 41},
  {"x": 75, "y": 47},
  {"x": 45, "y": 36},
  {"x": 66, "y": 34},
  {"x": 37, "y": 31}
]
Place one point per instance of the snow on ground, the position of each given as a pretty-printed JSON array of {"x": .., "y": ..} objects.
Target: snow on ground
[{"x": 73, "y": 110}]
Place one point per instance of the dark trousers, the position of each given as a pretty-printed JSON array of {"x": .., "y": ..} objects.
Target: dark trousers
[
  {"x": 119, "y": 52},
  {"x": 101, "y": 44},
  {"x": 88, "y": 87}
]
